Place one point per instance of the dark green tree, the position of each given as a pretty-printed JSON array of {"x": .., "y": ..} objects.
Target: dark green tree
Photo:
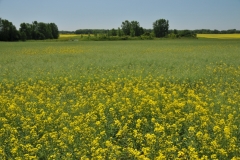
[
  {"x": 215, "y": 31},
  {"x": 132, "y": 28},
  {"x": 40, "y": 36},
  {"x": 126, "y": 27},
  {"x": 54, "y": 29},
  {"x": 23, "y": 36},
  {"x": 231, "y": 31},
  {"x": 0, "y": 24},
  {"x": 35, "y": 30},
  {"x": 45, "y": 29},
  {"x": 108, "y": 33},
  {"x": 27, "y": 29},
  {"x": 8, "y": 31},
  {"x": 141, "y": 31},
  {"x": 160, "y": 27},
  {"x": 95, "y": 33},
  {"x": 186, "y": 33},
  {"x": 132, "y": 33},
  {"x": 113, "y": 32},
  {"x": 119, "y": 32},
  {"x": 138, "y": 30},
  {"x": 175, "y": 31}
]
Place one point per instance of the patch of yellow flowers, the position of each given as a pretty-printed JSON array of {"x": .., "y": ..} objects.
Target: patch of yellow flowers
[
  {"x": 121, "y": 118},
  {"x": 219, "y": 36}
]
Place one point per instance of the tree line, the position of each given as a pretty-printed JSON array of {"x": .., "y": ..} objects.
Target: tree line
[
  {"x": 160, "y": 29},
  {"x": 40, "y": 31},
  {"x": 34, "y": 31},
  {"x": 130, "y": 28},
  {"x": 215, "y": 31}
]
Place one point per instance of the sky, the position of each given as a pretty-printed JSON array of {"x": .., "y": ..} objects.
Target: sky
[{"x": 70, "y": 15}]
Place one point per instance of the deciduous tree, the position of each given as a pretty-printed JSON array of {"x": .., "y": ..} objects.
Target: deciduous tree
[
  {"x": 114, "y": 32},
  {"x": 27, "y": 29},
  {"x": 126, "y": 27},
  {"x": 54, "y": 29},
  {"x": 160, "y": 27},
  {"x": 8, "y": 31},
  {"x": 132, "y": 28}
]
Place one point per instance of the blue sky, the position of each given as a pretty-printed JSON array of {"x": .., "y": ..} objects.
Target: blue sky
[{"x": 106, "y": 14}]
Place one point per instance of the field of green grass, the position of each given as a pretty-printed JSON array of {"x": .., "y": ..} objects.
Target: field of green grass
[
  {"x": 159, "y": 99},
  {"x": 178, "y": 58}
]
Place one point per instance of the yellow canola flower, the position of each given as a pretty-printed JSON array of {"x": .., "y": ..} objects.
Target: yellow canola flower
[{"x": 128, "y": 117}]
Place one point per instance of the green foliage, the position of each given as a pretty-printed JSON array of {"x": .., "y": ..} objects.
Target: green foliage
[
  {"x": 161, "y": 27},
  {"x": 102, "y": 36},
  {"x": 1, "y": 24},
  {"x": 27, "y": 29},
  {"x": 126, "y": 27},
  {"x": 8, "y": 31},
  {"x": 172, "y": 36},
  {"x": 54, "y": 29},
  {"x": 132, "y": 33},
  {"x": 132, "y": 28},
  {"x": 208, "y": 31},
  {"x": 23, "y": 36},
  {"x": 89, "y": 35},
  {"x": 114, "y": 32},
  {"x": 90, "y": 31},
  {"x": 40, "y": 36},
  {"x": 45, "y": 30},
  {"x": 95, "y": 34},
  {"x": 175, "y": 31},
  {"x": 85, "y": 31},
  {"x": 120, "y": 32},
  {"x": 67, "y": 32},
  {"x": 37, "y": 31},
  {"x": 135, "y": 26},
  {"x": 148, "y": 35},
  {"x": 187, "y": 33}
]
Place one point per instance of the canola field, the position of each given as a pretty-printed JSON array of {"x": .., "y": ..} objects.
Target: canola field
[
  {"x": 72, "y": 37},
  {"x": 162, "y": 99},
  {"x": 219, "y": 36}
]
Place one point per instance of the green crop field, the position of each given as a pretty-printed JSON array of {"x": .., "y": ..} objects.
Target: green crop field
[{"x": 154, "y": 99}]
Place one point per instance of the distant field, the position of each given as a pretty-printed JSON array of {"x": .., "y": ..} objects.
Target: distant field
[
  {"x": 159, "y": 99},
  {"x": 219, "y": 36},
  {"x": 63, "y": 37},
  {"x": 210, "y": 36},
  {"x": 67, "y": 35}
]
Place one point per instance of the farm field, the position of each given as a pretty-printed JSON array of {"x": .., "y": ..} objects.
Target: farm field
[
  {"x": 219, "y": 36},
  {"x": 71, "y": 37},
  {"x": 67, "y": 35},
  {"x": 160, "y": 99}
]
